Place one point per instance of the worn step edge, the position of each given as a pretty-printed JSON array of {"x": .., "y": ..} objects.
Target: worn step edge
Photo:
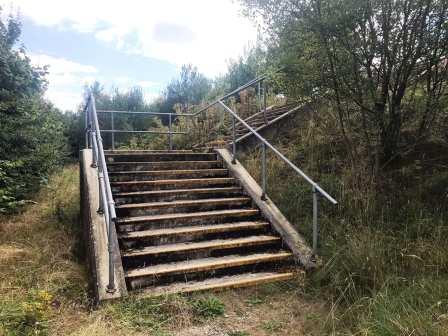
[
  {"x": 200, "y": 265},
  {"x": 208, "y": 201},
  {"x": 160, "y": 162},
  {"x": 203, "y": 245},
  {"x": 176, "y": 181},
  {"x": 169, "y": 172},
  {"x": 177, "y": 191},
  {"x": 196, "y": 229},
  {"x": 161, "y": 153},
  {"x": 203, "y": 214},
  {"x": 226, "y": 282}
]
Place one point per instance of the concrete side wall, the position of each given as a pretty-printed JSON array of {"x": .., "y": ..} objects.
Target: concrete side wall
[
  {"x": 95, "y": 235},
  {"x": 298, "y": 245}
]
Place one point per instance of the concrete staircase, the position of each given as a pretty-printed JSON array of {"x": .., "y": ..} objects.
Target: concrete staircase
[
  {"x": 259, "y": 121},
  {"x": 185, "y": 224}
]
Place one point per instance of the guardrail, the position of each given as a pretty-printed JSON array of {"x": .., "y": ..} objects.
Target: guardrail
[
  {"x": 106, "y": 204},
  {"x": 94, "y": 140}
]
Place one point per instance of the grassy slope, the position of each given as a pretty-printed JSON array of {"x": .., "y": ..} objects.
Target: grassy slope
[
  {"x": 44, "y": 288},
  {"x": 385, "y": 261}
]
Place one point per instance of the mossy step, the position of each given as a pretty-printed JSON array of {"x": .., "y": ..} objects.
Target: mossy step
[
  {"x": 226, "y": 282},
  {"x": 163, "y": 165},
  {"x": 217, "y": 244},
  {"x": 207, "y": 264},
  {"x": 195, "y": 230}
]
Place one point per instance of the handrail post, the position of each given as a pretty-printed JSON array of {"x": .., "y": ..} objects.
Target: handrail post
[
  {"x": 86, "y": 119},
  {"x": 112, "y": 125},
  {"x": 170, "y": 135},
  {"x": 100, "y": 187},
  {"x": 233, "y": 141},
  {"x": 315, "y": 224},
  {"x": 263, "y": 171},
  {"x": 264, "y": 103},
  {"x": 94, "y": 151}
]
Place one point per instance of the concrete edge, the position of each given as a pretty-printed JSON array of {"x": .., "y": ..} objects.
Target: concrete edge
[
  {"x": 95, "y": 234},
  {"x": 295, "y": 241}
]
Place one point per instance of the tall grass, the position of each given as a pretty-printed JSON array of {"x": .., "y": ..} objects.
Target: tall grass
[{"x": 385, "y": 268}]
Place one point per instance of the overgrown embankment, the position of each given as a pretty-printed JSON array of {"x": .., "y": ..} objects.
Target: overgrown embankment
[{"x": 385, "y": 268}]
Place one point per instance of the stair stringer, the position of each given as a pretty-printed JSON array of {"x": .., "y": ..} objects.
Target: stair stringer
[{"x": 295, "y": 241}]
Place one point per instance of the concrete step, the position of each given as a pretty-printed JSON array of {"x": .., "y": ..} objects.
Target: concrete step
[
  {"x": 150, "y": 175},
  {"x": 154, "y": 208},
  {"x": 195, "y": 231},
  {"x": 176, "y": 194},
  {"x": 145, "y": 151},
  {"x": 165, "y": 165},
  {"x": 224, "y": 282},
  {"x": 207, "y": 264},
  {"x": 172, "y": 184},
  {"x": 184, "y": 219},
  {"x": 211, "y": 245},
  {"x": 161, "y": 157}
]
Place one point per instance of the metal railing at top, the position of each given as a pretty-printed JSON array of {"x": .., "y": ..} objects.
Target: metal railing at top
[{"x": 94, "y": 140}]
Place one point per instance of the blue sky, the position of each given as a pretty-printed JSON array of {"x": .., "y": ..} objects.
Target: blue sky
[{"x": 128, "y": 43}]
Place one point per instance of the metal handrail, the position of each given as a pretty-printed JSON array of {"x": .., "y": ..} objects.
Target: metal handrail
[
  {"x": 315, "y": 187},
  {"x": 276, "y": 151},
  {"x": 106, "y": 204}
]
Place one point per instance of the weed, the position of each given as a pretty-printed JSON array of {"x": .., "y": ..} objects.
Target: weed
[
  {"x": 272, "y": 326},
  {"x": 209, "y": 306}
]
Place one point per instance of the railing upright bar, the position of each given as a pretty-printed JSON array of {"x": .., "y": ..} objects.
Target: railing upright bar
[
  {"x": 315, "y": 223},
  {"x": 87, "y": 127},
  {"x": 233, "y": 140},
  {"x": 94, "y": 150},
  {"x": 264, "y": 103},
  {"x": 263, "y": 171},
  {"x": 170, "y": 134},
  {"x": 112, "y": 125}
]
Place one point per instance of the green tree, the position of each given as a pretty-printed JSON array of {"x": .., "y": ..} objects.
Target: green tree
[
  {"x": 32, "y": 140},
  {"x": 189, "y": 89},
  {"x": 382, "y": 63}
]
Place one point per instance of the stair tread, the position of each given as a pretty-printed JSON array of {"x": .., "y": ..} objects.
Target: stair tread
[
  {"x": 125, "y": 220},
  {"x": 161, "y": 162},
  {"x": 205, "y": 264},
  {"x": 174, "y": 181},
  {"x": 161, "y": 152},
  {"x": 183, "y": 202},
  {"x": 167, "y": 172},
  {"x": 203, "y": 245},
  {"x": 174, "y": 191},
  {"x": 234, "y": 281},
  {"x": 194, "y": 229}
]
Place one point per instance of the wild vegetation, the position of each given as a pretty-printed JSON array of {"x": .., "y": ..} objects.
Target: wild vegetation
[
  {"x": 375, "y": 139},
  {"x": 32, "y": 139}
]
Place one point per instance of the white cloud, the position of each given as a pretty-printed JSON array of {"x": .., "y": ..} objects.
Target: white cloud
[
  {"x": 65, "y": 79},
  {"x": 205, "y": 33}
]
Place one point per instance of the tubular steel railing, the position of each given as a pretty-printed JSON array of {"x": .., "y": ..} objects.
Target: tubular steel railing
[
  {"x": 94, "y": 141},
  {"x": 106, "y": 205}
]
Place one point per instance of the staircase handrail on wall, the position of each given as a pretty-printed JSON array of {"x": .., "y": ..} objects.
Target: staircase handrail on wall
[{"x": 106, "y": 206}]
